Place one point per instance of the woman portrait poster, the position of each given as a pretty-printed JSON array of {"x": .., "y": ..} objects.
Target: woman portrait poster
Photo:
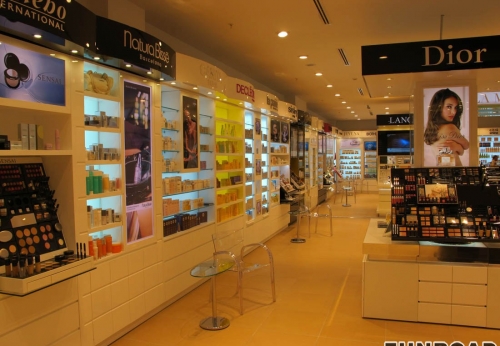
[
  {"x": 285, "y": 132},
  {"x": 275, "y": 131},
  {"x": 190, "y": 132},
  {"x": 446, "y": 124}
]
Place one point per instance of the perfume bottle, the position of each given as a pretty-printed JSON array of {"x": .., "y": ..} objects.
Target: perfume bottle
[{"x": 445, "y": 157}]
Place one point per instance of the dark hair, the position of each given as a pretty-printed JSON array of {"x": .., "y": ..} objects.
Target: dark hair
[
  {"x": 495, "y": 157},
  {"x": 435, "y": 120}
]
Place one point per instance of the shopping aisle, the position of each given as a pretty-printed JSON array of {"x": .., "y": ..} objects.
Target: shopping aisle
[{"x": 318, "y": 288}]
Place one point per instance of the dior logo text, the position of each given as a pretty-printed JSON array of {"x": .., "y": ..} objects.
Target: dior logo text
[{"x": 463, "y": 56}]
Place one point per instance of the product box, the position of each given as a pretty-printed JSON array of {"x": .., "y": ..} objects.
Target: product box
[
  {"x": 23, "y": 134},
  {"x": 202, "y": 216},
  {"x": 39, "y": 137},
  {"x": 32, "y": 136}
]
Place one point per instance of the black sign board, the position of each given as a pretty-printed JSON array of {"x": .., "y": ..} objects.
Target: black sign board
[
  {"x": 134, "y": 46},
  {"x": 70, "y": 21},
  {"x": 442, "y": 55},
  {"x": 394, "y": 119}
]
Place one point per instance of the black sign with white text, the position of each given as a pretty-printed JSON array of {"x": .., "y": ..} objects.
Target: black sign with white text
[
  {"x": 394, "y": 119},
  {"x": 442, "y": 55},
  {"x": 68, "y": 20},
  {"x": 134, "y": 46}
]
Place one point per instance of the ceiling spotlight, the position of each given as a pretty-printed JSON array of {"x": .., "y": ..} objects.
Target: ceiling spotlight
[
  {"x": 172, "y": 83},
  {"x": 128, "y": 65},
  {"x": 386, "y": 112},
  {"x": 303, "y": 57},
  {"x": 209, "y": 93},
  {"x": 52, "y": 54},
  {"x": 348, "y": 107},
  {"x": 87, "y": 44},
  {"x": 329, "y": 86},
  {"x": 319, "y": 74},
  {"x": 383, "y": 57},
  {"x": 195, "y": 88},
  {"x": 359, "y": 118},
  {"x": 355, "y": 115},
  {"x": 337, "y": 95},
  {"x": 352, "y": 112},
  {"x": 37, "y": 36},
  {"x": 149, "y": 72},
  {"x": 282, "y": 34},
  {"x": 161, "y": 78},
  {"x": 344, "y": 101},
  {"x": 74, "y": 60},
  {"x": 388, "y": 87},
  {"x": 96, "y": 58},
  {"x": 386, "y": 107},
  {"x": 74, "y": 51},
  {"x": 386, "y": 97}
]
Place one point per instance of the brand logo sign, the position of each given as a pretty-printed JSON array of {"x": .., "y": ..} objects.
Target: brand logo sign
[
  {"x": 292, "y": 111},
  {"x": 273, "y": 104},
  {"x": 135, "y": 46},
  {"x": 212, "y": 75},
  {"x": 394, "y": 119},
  {"x": 55, "y": 16},
  {"x": 443, "y": 55},
  {"x": 245, "y": 90}
]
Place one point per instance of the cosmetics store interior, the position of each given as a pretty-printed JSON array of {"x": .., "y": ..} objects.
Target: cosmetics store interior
[{"x": 127, "y": 167}]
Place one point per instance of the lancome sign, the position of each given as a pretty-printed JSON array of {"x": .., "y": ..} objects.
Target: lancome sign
[
  {"x": 394, "y": 119},
  {"x": 442, "y": 55}
]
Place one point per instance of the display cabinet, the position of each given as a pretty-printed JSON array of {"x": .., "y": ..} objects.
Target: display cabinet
[
  {"x": 489, "y": 145},
  {"x": 370, "y": 171},
  {"x": 230, "y": 161},
  {"x": 350, "y": 163},
  {"x": 297, "y": 168},
  {"x": 279, "y": 157},
  {"x": 187, "y": 174}
]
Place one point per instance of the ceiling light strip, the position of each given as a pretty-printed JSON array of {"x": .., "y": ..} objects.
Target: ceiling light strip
[
  {"x": 321, "y": 12},
  {"x": 343, "y": 56}
]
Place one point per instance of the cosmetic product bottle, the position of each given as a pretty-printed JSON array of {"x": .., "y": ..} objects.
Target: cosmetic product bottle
[
  {"x": 8, "y": 270},
  {"x": 89, "y": 217},
  {"x": 57, "y": 140},
  {"x": 22, "y": 267},
  {"x": 15, "y": 268},
  {"x": 103, "y": 247},
  {"x": 109, "y": 243},
  {"x": 91, "y": 247},
  {"x": 38, "y": 265},
  {"x": 91, "y": 182},
  {"x": 31, "y": 267},
  {"x": 105, "y": 183}
]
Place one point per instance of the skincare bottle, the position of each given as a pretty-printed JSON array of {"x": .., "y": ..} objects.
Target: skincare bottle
[
  {"x": 38, "y": 265},
  {"x": 22, "y": 267},
  {"x": 89, "y": 217},
  {"x": 15, "y": 268},
  {"x": 8, "y": 270},
  {"x": 31, "y": 267}
]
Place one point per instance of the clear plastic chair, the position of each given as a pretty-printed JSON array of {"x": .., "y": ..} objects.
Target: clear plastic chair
[{"x": 231, "y": 243}]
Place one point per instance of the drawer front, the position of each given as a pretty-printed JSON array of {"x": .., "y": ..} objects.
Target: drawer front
[
  {"x": 434, "y": 292},
  {"x": 434, "y": 313},
  {"x": 468, "y": 315},
  {"x": 470, "y": 274},
  {"x": 469, "y": 294},
  {"x": 434, "y": 272}
]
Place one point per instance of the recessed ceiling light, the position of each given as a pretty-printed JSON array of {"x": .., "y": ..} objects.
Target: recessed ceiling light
[
  {"x": 386, "y": 97},
  {"x": 149, "y": 72},
  {"x": 74, "y": 51},
  {"x": 383, "y": 57},
  {"x": 224, "y": 99},
  {"x": 87, "y": 44},
  {"x": 52, "y": 54},
  {"x": 37, "y": 36},
  {"x": 359, "y": 118},
  {"x": 386, "y": 107},
  {"x": 337, "y": 95},
  {"x": 74, "y": 60},
  {"x": 355, "y": 115},
  {"x": 303, "y": 57},
  {"x": 195, "y": 88},
  {"x": 282, "y": 34},
  {"x": 352, "y": 112},
  {"x": 329, "y": 86},
  {"x": 173, "y": 83},
  {"x": 209, "y": 93},
  {"x": 389, "y": 78},
  {"x": 388, "y": 87},
  {"x": 319, "y": 74},
  {"x": 145, "y": 81},
  {"x": 128, "y": 65},
  {"x": 348, "y": 107},
  {"x": 344, "y": 101},
  {"x": 217, "y": 97},
  {"x": 498, "y": 81},
  {"x": 386, "y": 112},
  {"x": 96, "y": 58},
  {"x": 161, "y": 78}
]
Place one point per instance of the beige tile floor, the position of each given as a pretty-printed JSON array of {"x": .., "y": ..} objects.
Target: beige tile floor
[{"x": 318, "y": 286}]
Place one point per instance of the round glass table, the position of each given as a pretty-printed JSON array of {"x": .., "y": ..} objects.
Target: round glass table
[{"x": 211, "y": 269}]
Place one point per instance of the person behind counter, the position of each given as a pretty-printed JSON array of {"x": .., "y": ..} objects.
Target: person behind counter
[{"x": 494, "y": 161}]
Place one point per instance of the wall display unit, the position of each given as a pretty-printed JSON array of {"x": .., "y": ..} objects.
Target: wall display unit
[
  {"x": 104, "y": 170},
  {"x": 350, "y": 163},
  {"x": 188, "y": 161},
  {"x": 279, "y": 157},
  {"x": 489, "y": 145},
  {"x": 370, "y": 167},
  {"x": 230, "y": 161},
  {"x": 321, "y": 166},
  {"x": 297, "y": 168},
  {"x": 453, "y": 204}
]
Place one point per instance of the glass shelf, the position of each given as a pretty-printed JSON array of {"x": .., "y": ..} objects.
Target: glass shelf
[
  {"x": 170, "y": 151},
  {"x": 206, "y": 115},
  {"x": 166, "y": 129},
  {"x": 184, "y": 192},
  {"x": 186, "y": 211}
]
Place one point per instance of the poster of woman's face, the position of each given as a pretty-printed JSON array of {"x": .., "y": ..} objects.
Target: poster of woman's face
[
  {"x": 446, "y": 126},
  {"x": 190, "y": 132},
  {"x": 285, "y": 132},
  {"x": 275, "y": 131}
]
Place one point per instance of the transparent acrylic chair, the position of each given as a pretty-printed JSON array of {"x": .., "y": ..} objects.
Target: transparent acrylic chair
[{"x": 231, "y": 243}]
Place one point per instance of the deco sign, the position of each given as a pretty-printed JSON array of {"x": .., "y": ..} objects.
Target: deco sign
[{"x": 245, "y": 90}]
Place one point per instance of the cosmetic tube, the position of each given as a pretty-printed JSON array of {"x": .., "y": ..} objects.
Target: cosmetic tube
[
  {"x": 8, "y": 270},
  {"x": 38, "y": 265},
  {"x": 31, "y": 267}
]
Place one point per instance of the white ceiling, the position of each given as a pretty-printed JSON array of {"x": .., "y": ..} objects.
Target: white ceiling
[{"x": 243, "y": 35}]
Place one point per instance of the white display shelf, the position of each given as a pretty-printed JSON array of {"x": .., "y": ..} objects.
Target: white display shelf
[
  {"x": 35, "y": 153},
  {"x": 228, "y": 154},
  {"x": 101, "y": 97},
  {"x": 237, "y": 186},
  {"x": 230, "y": 170},
  {"x": 102, "y": 129},
  {"x": 230, "y": 203},
  {"x": 105, "y": 227},
  {"x": 184, "y": 192},
  {"x": 280, "y": 154},
  {"x": 170, "y": 130},
  {"x": 229, "y": 122},
  {"x": 230, "y": 137},
  {"x": 230, "y": 219},
  {"x": 102, "y": 162},
  {"x": 104, "y": 195},
  {"x": 166, "y": 217}
]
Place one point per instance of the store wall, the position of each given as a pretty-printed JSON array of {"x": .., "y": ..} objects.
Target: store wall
[{"x": 351, "y": 125}]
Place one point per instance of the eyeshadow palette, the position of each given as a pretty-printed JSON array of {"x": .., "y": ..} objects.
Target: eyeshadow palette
[{"x": 28, "y": 210}]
